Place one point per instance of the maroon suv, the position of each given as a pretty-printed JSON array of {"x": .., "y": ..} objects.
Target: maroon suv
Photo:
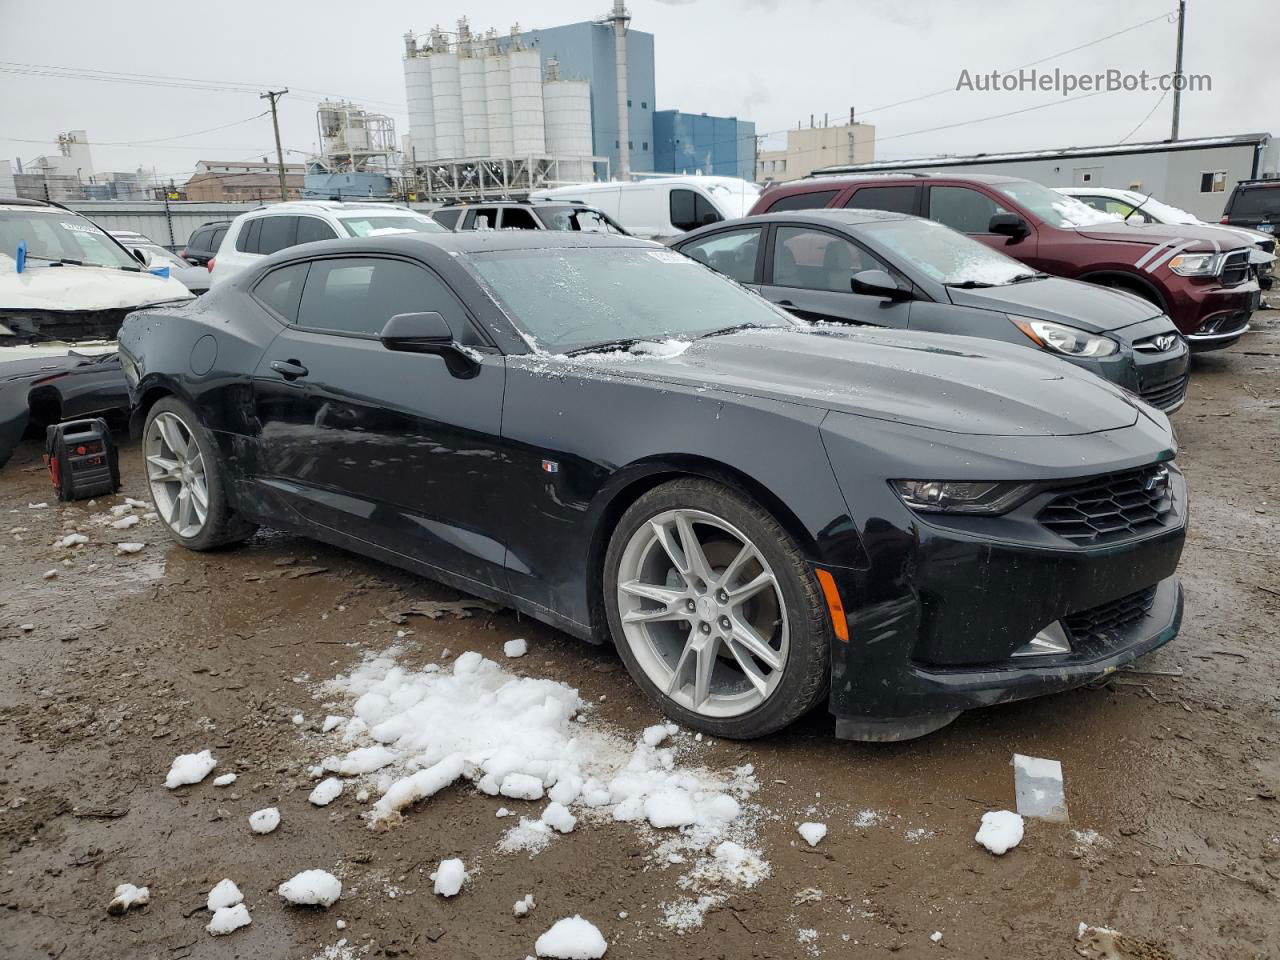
[{"x": 1198, "y": 277}]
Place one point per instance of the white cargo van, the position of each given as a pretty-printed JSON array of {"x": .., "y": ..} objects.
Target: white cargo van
[{"x": 663, "y": 207}]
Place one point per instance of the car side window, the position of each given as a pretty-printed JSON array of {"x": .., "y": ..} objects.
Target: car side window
[
  {"x": 482, "y": 219},
  {"x": 447, "y": 218},
  {"x": 247, "y": 238},
  {"x": 358, "y": 295},
  {"x": 732, "y": 253},
  {"x": 963, "y": 209},
  {"x": 518, "y": 218},
  {"x": 278, "y": 233},
  {"x": 218, "y": 234},
  {"x": 901, "y": 199},
  {"x": 690, "y": 209},
  {"x": 812, "y": 200},
  {"x": 817, "y": 260},
  {"x": 312, "y": 229},
  {"x": 281, "y": 289}
]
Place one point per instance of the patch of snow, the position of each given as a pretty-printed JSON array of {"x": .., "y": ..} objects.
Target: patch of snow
[
  {"x": 521, "y": 786},
  {"x": 124, "y": 523},
  {"x": 739, "y": 864},
  {"x": 572, "y": 938},
  {"x": 654, "y": 735},
  {"x": 37, "y": 506},
  {"x": 72, "y": 540},
  {"x": 121, "y": 509},
  {"x": 189, "y": 768},
  {"x": 936, "y": 936},
  {"x": 867, "y": 818},
  {"x": 123, "y": 548},
  {"x": 557, "y": 815},
  {"x": 326, "y": 792},
  {"x": 311, "y": 888},
  {"x": 224, "y": 894},
  {"x": 515, "y": 648},
  {"x": 522, "y": 906},
  {"x": 128, "y": 896},
  {"x": 685, "y": 915},
  {"x": 298, "y": 719},
  {"x": 1000, "y": 832},
  {"x": 449, "y": 877},
  {"x": 671, "y": 808},
  {"x": 331, "y": 722},
  {"x": 360, "y": 761},
  {"x": 531, "y": 836},
  {"x": 916, "y": 834},
  {"x": 812, "y": 832},
  {"x": 226, "y": 780},
  {"x": 228, "y": 920},
  {"x": 264, "y": 820}
]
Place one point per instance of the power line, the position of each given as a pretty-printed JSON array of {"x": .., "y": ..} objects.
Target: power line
[
  {"x": 1146, "y": 118},
  {"x": 138, "y": 143}
]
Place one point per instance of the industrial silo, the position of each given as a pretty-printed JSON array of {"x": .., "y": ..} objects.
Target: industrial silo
[
  {"x": 475, "y": 114},
  {"x": 446, "y": 99},
  {"x": 497, "y": 91},
  {"x": 527, "y": 135},
  {"x": 567, "y": 105},
  {"x": 417, "y": 86}
]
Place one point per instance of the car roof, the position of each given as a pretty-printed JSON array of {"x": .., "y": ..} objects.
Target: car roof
[
  {"x": 482, "y": 241},
  {"x": 825, "y": 181},
  {"x": 838, "y": 217}
]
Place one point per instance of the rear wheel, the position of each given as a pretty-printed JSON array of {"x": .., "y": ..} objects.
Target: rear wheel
[
  {"x": 187, "y": 479},
  {"x": 715, "y": 611}
]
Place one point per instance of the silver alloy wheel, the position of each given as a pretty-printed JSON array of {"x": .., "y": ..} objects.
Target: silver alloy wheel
[
  {"x": 175, "y": 472},
  {"x": 702, "y": 613}
]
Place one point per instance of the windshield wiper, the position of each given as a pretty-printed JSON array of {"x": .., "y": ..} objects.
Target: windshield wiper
[
  {"x": 609, "y": 346},
  {"x": 723, "y": 330},
  {"x": 57, "y": 260},
  {"x": 1024, "y": 277},
  {"x": 969, "y": 284}
]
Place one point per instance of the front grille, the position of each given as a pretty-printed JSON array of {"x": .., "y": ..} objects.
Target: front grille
[
  {"x": 1235, "y": 269},
  {"x": 1166, "y": 394},
  {"x": 1117, "y": 506},
  {"x": 1097, "y": 623}
]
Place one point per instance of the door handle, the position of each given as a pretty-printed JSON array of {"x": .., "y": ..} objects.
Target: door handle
[{"x": 289, "y": 369}]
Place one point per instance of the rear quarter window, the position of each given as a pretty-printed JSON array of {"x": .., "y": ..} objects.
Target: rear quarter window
[{"x": 809, "y": 200}]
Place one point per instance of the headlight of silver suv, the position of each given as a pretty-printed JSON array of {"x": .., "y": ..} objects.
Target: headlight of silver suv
[
  {"x": 1059, "y": 338},
  {"x": 1196, "y": 264},
  {"x": 960, "y": 496}
]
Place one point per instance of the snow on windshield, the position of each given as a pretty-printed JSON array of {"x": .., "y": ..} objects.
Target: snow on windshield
[
  {"x": 1165, "y": 213},
  {"x": 1074, "y": 213},
  {"x": 945, "y": 254}
]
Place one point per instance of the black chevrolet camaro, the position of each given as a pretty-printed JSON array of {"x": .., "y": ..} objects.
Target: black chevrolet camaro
[{"x": 761, "y": 514}]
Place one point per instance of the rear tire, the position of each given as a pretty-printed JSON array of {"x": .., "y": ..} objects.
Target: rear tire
[
  {"x": 187, "y": 479},
  {"x": 733, "y": 638}
]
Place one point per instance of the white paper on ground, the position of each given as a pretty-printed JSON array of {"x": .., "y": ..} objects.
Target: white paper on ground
[{"x": 1037, "y": 785}]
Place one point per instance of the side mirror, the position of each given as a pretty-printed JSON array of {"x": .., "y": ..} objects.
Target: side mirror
[
  {"x": 877, "y": 283},
  {"x": 140, "y": 255},
  {"x": 417, "y": 333},
  {"x": 1008, "y": 225}
]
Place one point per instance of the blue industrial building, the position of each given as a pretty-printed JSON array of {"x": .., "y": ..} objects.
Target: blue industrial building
[
  {"x": 697, "y": 143},
  {"x": 585, "y": 52}
]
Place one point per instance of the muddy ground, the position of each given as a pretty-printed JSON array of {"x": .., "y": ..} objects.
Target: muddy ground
[{"x": 131, "y": 660}]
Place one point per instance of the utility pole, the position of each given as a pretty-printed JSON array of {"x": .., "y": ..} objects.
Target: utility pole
[
  {"x": 618, "y": 18},
  {"x": 273, "y": 96},
  {"x": 1177, "y": 70}
]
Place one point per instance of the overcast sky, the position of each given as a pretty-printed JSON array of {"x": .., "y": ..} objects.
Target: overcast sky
[{"x": 772, "y": 62}]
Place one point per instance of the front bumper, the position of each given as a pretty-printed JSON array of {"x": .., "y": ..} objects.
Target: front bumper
[
  {"x": 1158, "y": 377},
  {"x": 1212, "y": 316}
]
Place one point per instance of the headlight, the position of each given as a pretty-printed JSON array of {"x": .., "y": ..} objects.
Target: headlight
[
  {"x": 1196, "y": 264},
  {"x": 1059, "y": 338},
  {"x": 960, "y": 496}
]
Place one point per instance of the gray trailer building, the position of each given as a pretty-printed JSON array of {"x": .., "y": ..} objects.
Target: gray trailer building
[{"x": 1196, "y": 175}]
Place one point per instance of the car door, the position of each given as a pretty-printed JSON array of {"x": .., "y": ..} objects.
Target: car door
[
  {"x": 738, "y": 253},
  {"x": 808, "y": 272},
  {"x": 388, "y": 447}
]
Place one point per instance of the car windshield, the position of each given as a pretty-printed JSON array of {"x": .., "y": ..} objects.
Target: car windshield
[
  {"x": 374, "y": 225},
  {"x": 60, "y": 236},
  {"x": 572, "y": 218},
  {"x": 1053, "y": 207},
  {"x": 162, "y": 256},
  {"x": 568, "y": 299},
  {"x": 946, "y": 255},
  {"x": 1256, "y": 202}
]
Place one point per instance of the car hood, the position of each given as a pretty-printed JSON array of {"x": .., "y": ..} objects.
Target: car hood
[
  {"x": 1197, "y": 238},
  {"x": 956, "y": 384},
  {"x": 41, "y": 287},
  {"x": 1082, "y": 305}
]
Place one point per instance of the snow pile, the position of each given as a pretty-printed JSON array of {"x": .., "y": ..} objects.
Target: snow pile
[
  {"x": 685, "y": 915},
  {"x": 572, "y": 938},
  {"x": 226, "y": 780},
  {"x": 528, "y": 836},
  {"x": 189, "y": 768},
  {"x": 557, "y": 815},
  {"x": 124, "y": 523},
  {"x": 1000, "y": 832},
  {"x": 311, "y": 888},
  {"x": 522, "y": 906},
  {"x": 224, "y": 894},
  {"x": 126, "y": 897},
  {"x": 228, "y": 920},
  {"x": 326, "y": 792},
  {"x": 515, "y": 648},
  {"x": 265, "y": 820},
  {"x": 812, "y": 832},
  {"x": 124, "y": 548},
  {"x": 449, "y": 877},
  {"x": 72, "y": 540}
]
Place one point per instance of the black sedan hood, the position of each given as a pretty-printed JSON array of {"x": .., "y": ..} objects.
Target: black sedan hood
[
  {"x": 1083, "y": 305},
  {"x": 957, "y": 384}
]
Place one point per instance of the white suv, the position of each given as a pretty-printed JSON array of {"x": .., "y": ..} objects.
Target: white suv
[{"x": 262, "y": 232}]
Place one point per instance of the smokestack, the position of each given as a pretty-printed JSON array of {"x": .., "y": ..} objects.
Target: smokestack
[{"x": 619, "y": 19}]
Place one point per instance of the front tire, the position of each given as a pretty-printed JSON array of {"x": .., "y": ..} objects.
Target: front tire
[
  {"x": 187, "y": 480},
  {"x": 715, "y": 611}
]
